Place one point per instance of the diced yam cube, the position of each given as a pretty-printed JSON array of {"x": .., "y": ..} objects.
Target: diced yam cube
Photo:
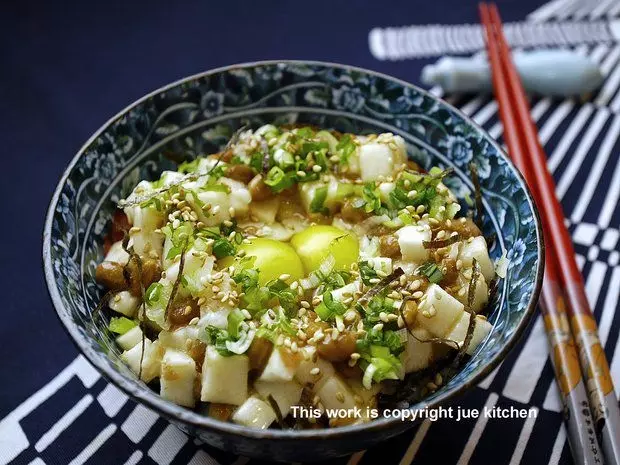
[
  {"x": 368, "y": 396},
  {"x": 383, "y": 264},
  {"x": 117, "y": 254},
  {"x": 144, "y": 242},
  {"x": 265, "y": 211},
  {"x": 239, "y": 196},
  {"x": 385, "y": 189},
  {"x": 314, "y": 373},
  {"x": 418, "y": 355},
  {"x": 477, "y": 249},
  {"x": 217, "y": 318},
  {"x": 125, "y": 303},
  {"x": 307, "y": 191},
  {"x": 151, "y": 362},
  {"x": 336, "y": 394},
  {"x": 193, "y": 262},
  {"x": 178, "y": 373},
  {"x": 224, "y": 379},
  {"x": 347, "y": 290},
  {"x": 281, "y": 366},
  {"x": 481, "y": 328},
  {"x": 147, "y": 218},
  {"x": 215, "y": 198},
  {"x": 179, "y": 338},
  {"x": 285, "y": 394},
  {"x": 375, "y": 160},
  {"x": 255, "y": 413},
  {"x": 438, "y": 311},
  {"x": 130, "y": 338},
  {"x": 481, "y": 293},
  {"x": 411, "y": 242}
]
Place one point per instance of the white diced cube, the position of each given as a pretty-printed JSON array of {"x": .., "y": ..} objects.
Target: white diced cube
[
  {"x": 314, "y": 373},
  {"x": 130, "y": 338},
  {"x": 477, "y": 248},
  {"x": 438, "y": 311},
  {"x": 281, "y": 366},
  {"x": 239, "y": 197},
  {"x": 125, "y": 303},
  {"x": 285, "y": 394},
  {"x": 418, "y": 355},
  {"x": 215, "y": 198},
  {"x": 117, "y": 254},
  {"x": 178, "y": 339},
  {"x": 347, "y": 290},
  {"x": 151, "y": 362},
  {"x": 385, "y": 189},
  {"x": 481, "y": 328},
  {"x": 224, "y": 379},
  {"x": 336, "y": 394},
  {"x": 375, "y": 160},
  {"x": 144, "y": 242},
  {"x": 383, "y": 264},
  {"x": 411, "y": 242},
  {"x": 147, "y": 218},
  {"x": 481, "y": 293},
  {"x": 265, "y": 211},
  {"x": 178, "y": 374},
  {"x": 217, "y": 318},
  {"x": 255, "y": 413}
]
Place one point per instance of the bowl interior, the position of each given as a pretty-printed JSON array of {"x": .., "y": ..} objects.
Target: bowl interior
[{"x": 197, "y": 116}]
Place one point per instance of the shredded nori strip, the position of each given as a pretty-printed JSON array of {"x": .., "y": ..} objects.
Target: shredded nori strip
[
  {"x": 103, "y": 301},
  {"x": 276, "y": 409},
  {"x": 373, "y": 291},
  {"x": 134, "y": 256},
  {"x": 266, "y": 156},
  {"x": 439, "y": 340},
  {"x": 471, "y": 294},
  {"x": 477, "y": 195},
  {"x": 441, "y": 243},
  {"x": 177, "y": 283}
]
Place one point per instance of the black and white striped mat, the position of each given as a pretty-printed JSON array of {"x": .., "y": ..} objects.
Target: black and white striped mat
[{"x": 55, "y": 425}]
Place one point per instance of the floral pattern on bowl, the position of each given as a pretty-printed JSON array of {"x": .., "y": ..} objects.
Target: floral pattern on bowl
[{"x": 197, "y": 115}]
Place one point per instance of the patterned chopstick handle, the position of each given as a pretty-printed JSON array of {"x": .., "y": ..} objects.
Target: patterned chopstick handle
[
  {"x": 565, "y": 361},
  {"x": 599, "y": 384}
]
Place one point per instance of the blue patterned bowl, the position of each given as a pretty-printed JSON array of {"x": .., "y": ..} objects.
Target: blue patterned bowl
[{"x": 196, "y": 116}]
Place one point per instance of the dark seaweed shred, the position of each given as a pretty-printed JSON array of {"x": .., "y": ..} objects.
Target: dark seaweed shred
[
  {"x": 441, "y": 243},
  {"x": 377, "y": 288},
  {"x": 276, "y": 409},
  {"x": 134, "y": 256},
  {"x": 471, "y": 294},
  {"x": 177, "y": 283},
  {"x": 439, "y": 340},
  {"x": 477, "y": 195}
]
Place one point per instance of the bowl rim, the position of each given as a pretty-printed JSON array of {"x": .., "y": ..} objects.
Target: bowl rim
[{"x": 143, "y": 394}]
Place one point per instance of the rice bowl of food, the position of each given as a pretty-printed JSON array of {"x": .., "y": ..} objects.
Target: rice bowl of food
[{"x": 285, "y": 237}]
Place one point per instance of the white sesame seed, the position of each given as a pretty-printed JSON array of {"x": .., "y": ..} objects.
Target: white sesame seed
[
  {"x": 315, "y": 371},
  {"x": 378, "y": 327}
]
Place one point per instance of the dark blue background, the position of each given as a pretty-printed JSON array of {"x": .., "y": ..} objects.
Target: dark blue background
[{"x": 66, "y": 68}]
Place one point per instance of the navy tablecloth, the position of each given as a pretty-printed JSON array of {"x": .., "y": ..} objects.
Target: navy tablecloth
[{"x": 66, "y": 68}]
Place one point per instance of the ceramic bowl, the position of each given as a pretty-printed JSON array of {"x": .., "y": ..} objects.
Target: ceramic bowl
[{"x": 196, "y": 116}]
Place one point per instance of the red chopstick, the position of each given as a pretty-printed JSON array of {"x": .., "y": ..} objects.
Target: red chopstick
[{"x": 562, "y": 276}]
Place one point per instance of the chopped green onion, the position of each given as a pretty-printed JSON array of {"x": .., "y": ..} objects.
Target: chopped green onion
[
  {"x": 235, "y": 318},
  {"x": 121, "y": 325},
  {"x": 153, "y": 293},
  {"x": 318, "y": 201},
  {"x": 431, "y": 271}
]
